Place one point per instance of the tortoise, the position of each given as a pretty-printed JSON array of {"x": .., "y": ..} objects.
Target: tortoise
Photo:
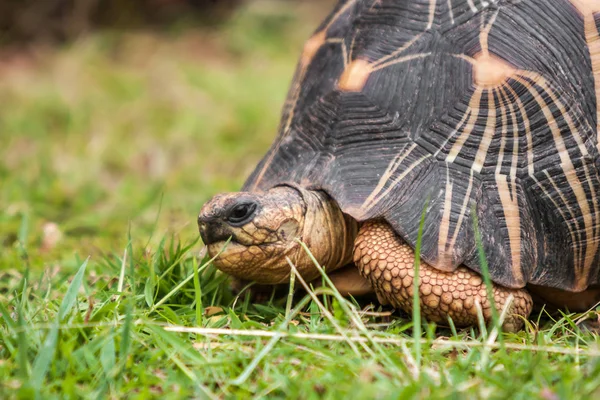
[{"x": 482, "y": 116}]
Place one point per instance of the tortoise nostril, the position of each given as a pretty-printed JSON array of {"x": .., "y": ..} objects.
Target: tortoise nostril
[
  {"x": 204, "y": 219},
  {"x": 202, "y": 228}
]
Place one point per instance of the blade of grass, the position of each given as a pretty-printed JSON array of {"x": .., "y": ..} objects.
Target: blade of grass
[
  {"x": 485, "y": 272},
  {"x": 416, "y": 309},
  {"x": 149, "y": 291},
  {"x": 156, "y": 259},
  {"x": 440, "y": 342},
  {"x": 197, "y": 293},
  {"x": 155, "y": 224},
  {"x": 290, "y": 298},
  {"x": 126, "y": 334},
  {"x": 22, "y": 243},
  {"x": 481, "y": 321},
  {"x": 44, "y": 359},
  {"x": 132, "y": 282},
  {"x": 23, "y": 229},
  {"x": 108, "y": 357},
  {"x": 22, "y": 360},
  {"x": 493, "y": 335},
  {"x": 71, "y": 294},
  {"x": 452, "y": 327},
  {"x": 122, "y": 273}
]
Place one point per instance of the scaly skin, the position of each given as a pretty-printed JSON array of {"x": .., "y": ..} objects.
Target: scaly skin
[{"x": 388, "y": 263}]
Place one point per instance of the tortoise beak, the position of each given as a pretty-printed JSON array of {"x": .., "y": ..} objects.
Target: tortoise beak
[{"x": 212, "y": 228}]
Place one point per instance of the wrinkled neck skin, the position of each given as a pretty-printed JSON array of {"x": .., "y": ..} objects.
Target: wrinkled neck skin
[{"x": 328, "y": 233}]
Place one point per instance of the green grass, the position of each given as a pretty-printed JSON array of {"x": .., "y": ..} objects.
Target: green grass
[{"x": 108, "y": 148}]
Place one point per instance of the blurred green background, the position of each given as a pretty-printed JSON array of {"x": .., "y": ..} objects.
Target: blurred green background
[{"x": 114, "y": 121}]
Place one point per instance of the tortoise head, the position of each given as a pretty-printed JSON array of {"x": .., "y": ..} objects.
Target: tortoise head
[{"x": 264, "y": 228}]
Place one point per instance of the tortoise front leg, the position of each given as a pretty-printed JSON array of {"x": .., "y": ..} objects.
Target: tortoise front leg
[{"x": 388, "y": 262}]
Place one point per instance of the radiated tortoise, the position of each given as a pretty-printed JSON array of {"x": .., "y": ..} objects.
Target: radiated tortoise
[{"x": 483, "y": 114}]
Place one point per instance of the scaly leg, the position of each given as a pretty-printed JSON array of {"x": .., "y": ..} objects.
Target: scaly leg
[{"x": 388, "y": 262}]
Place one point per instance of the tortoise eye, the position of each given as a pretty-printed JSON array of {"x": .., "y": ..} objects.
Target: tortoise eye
[{"x": 241, "y": 213}]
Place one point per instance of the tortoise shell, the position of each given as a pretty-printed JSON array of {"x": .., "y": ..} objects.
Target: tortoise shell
[{"x": 482, "y": 113}]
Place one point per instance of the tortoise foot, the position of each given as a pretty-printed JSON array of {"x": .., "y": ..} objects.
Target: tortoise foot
[{"x": 388, "y": 263}]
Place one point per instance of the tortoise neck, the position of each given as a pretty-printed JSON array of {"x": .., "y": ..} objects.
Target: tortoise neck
[{"x": 328, "y": 232}]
